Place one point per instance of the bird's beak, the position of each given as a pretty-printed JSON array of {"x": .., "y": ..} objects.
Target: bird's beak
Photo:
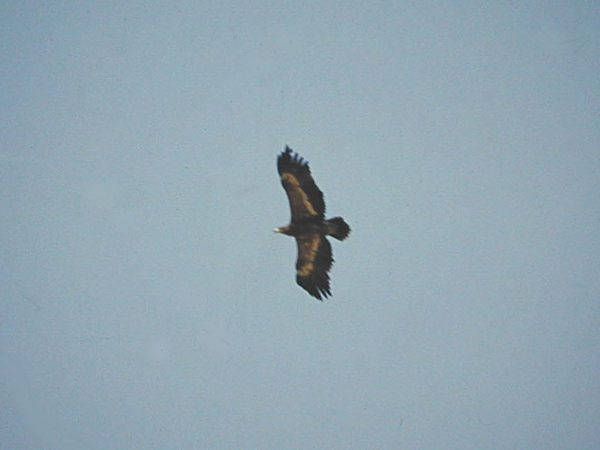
[{"x": 277, "y": 230}]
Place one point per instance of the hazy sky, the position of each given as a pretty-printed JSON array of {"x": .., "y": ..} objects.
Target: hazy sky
[{"x": 146, "y": 302}]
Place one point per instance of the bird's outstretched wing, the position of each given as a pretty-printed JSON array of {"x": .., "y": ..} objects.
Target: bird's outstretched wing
[
  {"x": 313, "y": 263},
  {"x": 306, "y": 199}
]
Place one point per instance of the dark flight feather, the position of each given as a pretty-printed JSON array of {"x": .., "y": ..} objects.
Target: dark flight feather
[{"x": 308, "y": 224}]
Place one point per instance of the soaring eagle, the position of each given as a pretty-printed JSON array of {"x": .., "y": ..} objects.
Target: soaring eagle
[{"x": 308, "y": 224}]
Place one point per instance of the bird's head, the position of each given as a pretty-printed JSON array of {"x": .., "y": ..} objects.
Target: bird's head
[{"x": 283, "y": 230}]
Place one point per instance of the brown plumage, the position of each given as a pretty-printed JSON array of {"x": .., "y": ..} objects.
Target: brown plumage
[{"x": 308, "y": 224}]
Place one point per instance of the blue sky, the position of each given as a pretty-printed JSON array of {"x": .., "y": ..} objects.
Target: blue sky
[{"x": 146, "y": 302}]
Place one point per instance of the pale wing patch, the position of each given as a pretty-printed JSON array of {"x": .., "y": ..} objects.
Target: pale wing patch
[
  {"x": 306, "y": 270},
  {"x": 297, "y": 195},
  {"x": 307, "y": 253}
]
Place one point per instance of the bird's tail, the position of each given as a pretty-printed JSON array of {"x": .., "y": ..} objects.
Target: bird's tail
[{"x": 338, "y": 228}]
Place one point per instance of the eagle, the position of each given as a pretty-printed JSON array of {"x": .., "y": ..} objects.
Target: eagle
[{"x": 308, "y": 224}]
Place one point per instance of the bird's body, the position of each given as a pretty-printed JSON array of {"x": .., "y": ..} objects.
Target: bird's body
[{"x": 308, "y": 225}]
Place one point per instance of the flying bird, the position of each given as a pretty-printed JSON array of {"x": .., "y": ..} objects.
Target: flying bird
[{"x": 308, "y": 224}]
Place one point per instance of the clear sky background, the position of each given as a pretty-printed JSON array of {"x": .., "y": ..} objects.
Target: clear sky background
[{"x": 146, "y": 302}]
